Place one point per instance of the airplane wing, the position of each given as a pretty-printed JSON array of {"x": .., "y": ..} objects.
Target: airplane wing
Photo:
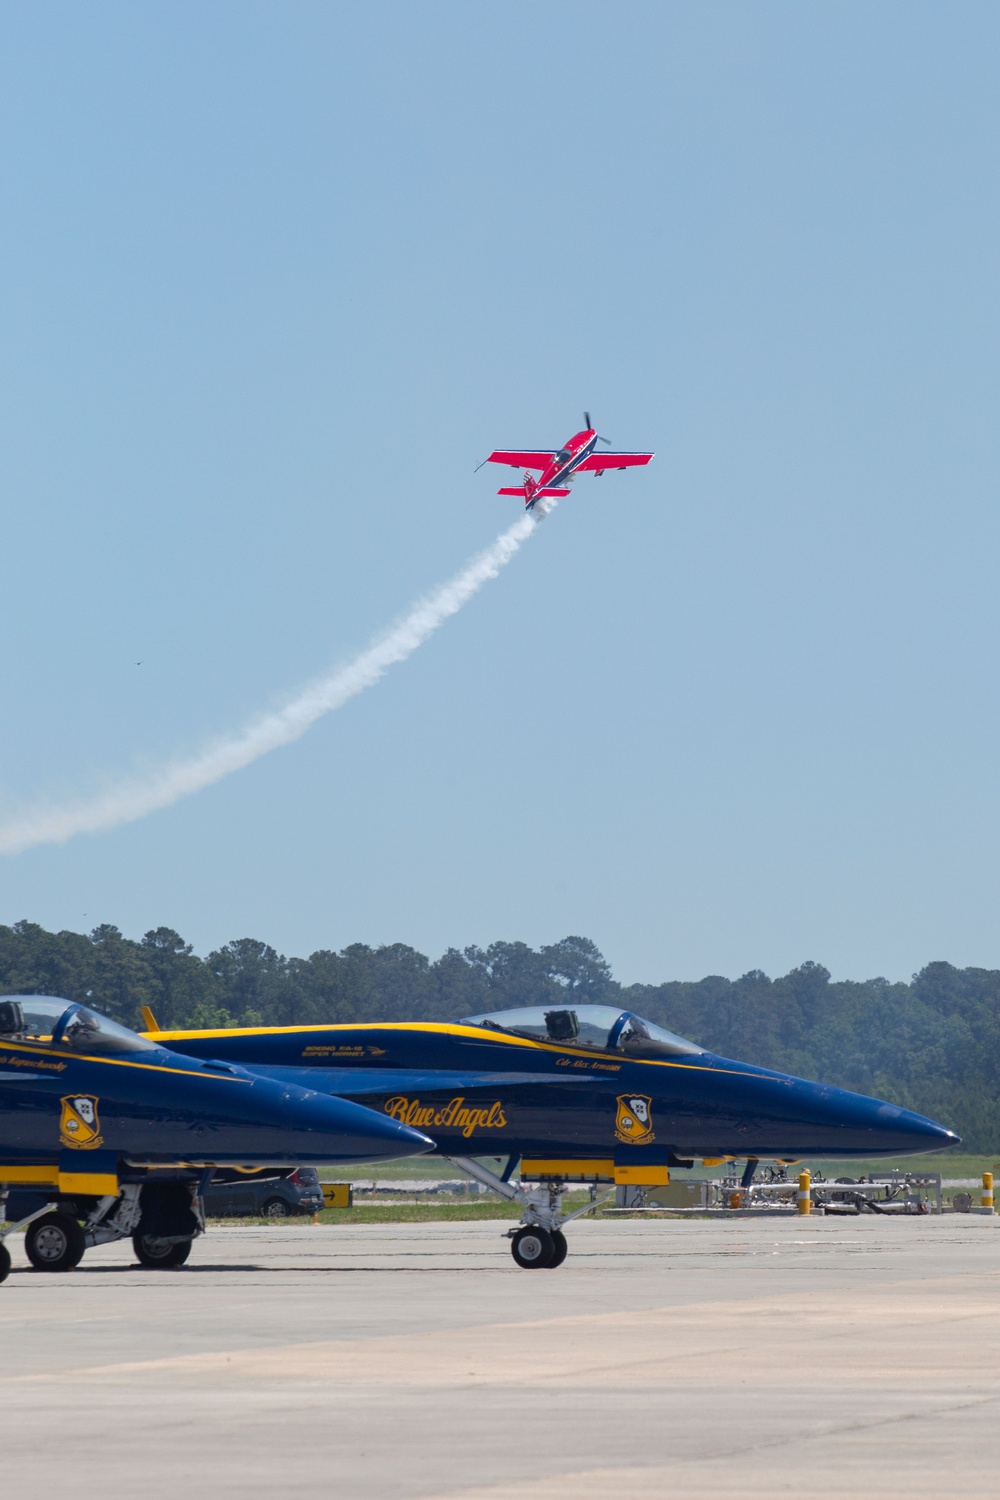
[
  {"x": 598, "y": 462},
  {"x": 522, "y": 458}
]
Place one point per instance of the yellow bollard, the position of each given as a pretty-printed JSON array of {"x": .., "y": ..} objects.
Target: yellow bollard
[
  {"x": 987, "y": 1198},
  {"x": 804, "y": 1199}
]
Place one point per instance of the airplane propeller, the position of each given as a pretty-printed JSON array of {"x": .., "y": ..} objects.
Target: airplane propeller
[{"x": 587, "y": 424}]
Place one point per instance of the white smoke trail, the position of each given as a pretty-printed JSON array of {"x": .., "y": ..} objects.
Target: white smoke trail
[{"x": 134, "y": 799}]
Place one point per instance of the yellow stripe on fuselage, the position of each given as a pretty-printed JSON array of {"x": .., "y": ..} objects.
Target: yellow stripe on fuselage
[
  {"x": 438, "y": 1028},
  {"x": 567, "y": 1167},
  {"x": 38, "y": 1176},
  {"x": 117, "y": 1062},
  {"x": 93, "y": 1184}
]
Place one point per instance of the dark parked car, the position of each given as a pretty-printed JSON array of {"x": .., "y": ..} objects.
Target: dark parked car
[{"x": 272, "y": 1193}]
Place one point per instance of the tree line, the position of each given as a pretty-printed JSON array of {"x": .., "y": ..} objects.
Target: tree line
[{"x": 931, "y": 1045}]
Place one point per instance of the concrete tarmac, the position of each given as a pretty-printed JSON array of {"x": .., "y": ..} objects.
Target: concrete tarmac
[{"x": 812, "y": 1357}]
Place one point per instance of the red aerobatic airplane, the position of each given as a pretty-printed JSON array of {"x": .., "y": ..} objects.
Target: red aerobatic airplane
[{"x": 560, "y": 465}]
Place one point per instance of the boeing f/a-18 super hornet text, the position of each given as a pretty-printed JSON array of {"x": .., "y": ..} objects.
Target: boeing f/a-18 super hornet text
[
  {"x": 559, "y": 466},
  {"x": 576, "y": 1093},
  {"x": 105, "y": 1134}
]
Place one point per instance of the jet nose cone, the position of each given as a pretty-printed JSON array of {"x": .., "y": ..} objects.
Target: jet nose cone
[
  {"x": 915, "y": 1132},
  {"x": 792, "y": 1117},
  {"x": 871, "y": 1127},
  {"x": 326, "y": 1128},
  {"x": 264, "y": 1121}
]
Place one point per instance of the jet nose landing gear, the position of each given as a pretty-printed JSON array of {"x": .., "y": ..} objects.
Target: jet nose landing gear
[
  {"x": 535, "y": 1248},
  {"x": 532, "y": 1247},
  {"x": 539, "y": 1244}
]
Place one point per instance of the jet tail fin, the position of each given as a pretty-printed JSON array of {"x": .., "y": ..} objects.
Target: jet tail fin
[{"x": 148, "y": 1019}]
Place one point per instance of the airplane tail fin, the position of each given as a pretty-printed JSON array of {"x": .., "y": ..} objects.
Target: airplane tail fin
[
  {"x": 529, "y": 492},
  {"x": 149, "y": 1020}
]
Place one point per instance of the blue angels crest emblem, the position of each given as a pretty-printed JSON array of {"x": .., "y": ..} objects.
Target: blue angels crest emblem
[
  {"x": 634, "y": 1120},
  {"x": 79, "y": 1125}
]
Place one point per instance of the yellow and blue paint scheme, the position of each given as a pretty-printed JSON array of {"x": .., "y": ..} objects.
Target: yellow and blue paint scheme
[
  {"x": 87, "y": 1105},
  {"x": 570, "y": 1085}
]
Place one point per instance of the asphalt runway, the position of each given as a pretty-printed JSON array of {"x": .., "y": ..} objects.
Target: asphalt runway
[{"x": 804, "y": 1357}]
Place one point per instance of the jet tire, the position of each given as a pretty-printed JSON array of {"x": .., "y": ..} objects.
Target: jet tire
[
  {"x": 54, "y": 1243},
  {"x": 4, "y": 1262},
  {"x": 533, "y": 1248},
  {"x": 160, "y": 1255},
  {"x": 560, "y": 1249}
]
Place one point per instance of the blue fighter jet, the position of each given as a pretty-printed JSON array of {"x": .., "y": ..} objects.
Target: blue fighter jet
[
  {"x": 583, "y": 1093},
  {"x": 105, "y": 1134}
]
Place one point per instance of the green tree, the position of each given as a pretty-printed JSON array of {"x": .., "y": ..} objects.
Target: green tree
[{"x": 181, "y": 986}]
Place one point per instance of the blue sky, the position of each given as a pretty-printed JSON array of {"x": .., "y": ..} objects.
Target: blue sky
[{"x": 275, "y": 277}]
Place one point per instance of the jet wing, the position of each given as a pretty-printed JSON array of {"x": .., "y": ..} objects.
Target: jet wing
[
  {"x": 522, "y": 458},
  {"x": 598, "y": 462}
]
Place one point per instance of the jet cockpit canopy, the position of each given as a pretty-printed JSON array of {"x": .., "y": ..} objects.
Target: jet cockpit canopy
[
  {"x": 53, "y": 1022},
  {"x": 604, "y": 1027}
]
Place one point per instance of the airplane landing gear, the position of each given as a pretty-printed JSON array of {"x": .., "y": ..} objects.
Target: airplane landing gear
[
  {"x": 533, "y": 1247},
  {"x": 54, "y": 1242},
  {"x": 162, "y": 1219},
  {"x": 171, "y": 1216},
  {"x": 160, "y": 1254},
  {"x": 540, "y": 1242}
]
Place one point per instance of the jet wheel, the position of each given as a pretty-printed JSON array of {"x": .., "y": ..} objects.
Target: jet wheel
[
  {"x": 54, "y": 1243},
  {"x": 4, "y": 1262},
  {"x": 533, "y": 1248},
  {"x": 160, "y": 1255},
  {"x": 560, "y": 1249}
]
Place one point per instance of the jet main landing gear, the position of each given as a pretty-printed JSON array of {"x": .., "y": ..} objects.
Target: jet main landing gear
[
  {"x": 55, "y": 1242},
  {"x": 160, "y": 1254},
  {"x": 162, "y": 1219},
  {"x": 54, "y": 1239}
]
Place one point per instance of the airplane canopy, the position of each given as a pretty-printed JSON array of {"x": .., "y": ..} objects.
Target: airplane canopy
[
  {"x": 63, "y": 1023},
  {"x": 601, "y": 1026}
]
